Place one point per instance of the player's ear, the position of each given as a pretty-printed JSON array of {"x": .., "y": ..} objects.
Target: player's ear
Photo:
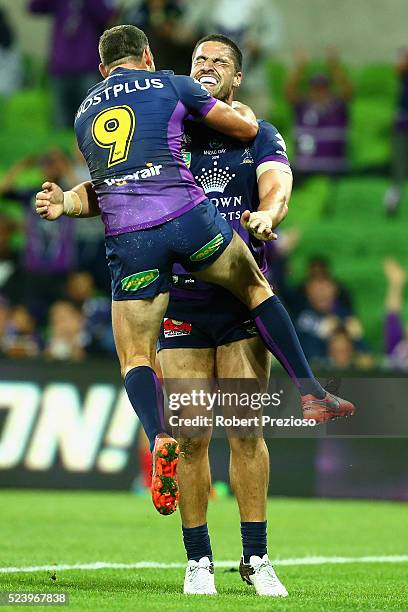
[
  {"x": 103, "y": 70},
  {"x": 148, "y": 59},
  {"x": 237, "y": 79}
]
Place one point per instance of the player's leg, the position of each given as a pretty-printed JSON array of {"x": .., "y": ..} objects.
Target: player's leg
[
  {"x": 212, "y": 253},
  {"x": 249, "y": 461},
  {"x": 141, "y": 272},
  {"x": 248, "y": 360},
  {"x": 136, "y": 326},
  {"x": 180, "y": 367},
  {"x": 140, "y": 266},
  {"x": 236, "y": 270}
]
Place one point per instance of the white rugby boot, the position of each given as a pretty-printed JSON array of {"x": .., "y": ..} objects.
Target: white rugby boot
[
  {"x": 199, "y": 578},
  {"x": 260, "y": 573}
]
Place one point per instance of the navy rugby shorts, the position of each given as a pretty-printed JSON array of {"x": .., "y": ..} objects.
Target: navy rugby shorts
[
  {"x": 141, "y": 262},
  {"x": 192, "y": 323}
]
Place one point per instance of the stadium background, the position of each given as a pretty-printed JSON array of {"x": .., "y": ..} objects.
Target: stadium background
[{"x": 64, "y": 420}]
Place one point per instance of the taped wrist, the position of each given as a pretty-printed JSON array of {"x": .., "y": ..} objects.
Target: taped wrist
[{"x": 72, "y": 204}]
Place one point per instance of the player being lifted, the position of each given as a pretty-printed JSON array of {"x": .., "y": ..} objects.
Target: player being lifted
[{"x": 130, "y": 130}]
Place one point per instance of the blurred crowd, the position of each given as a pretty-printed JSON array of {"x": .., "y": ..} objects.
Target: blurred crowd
[
  {"x": 322, "y": 309},
  {"x": 54, "y": 283},
  {"x": 172, "y": 26}
]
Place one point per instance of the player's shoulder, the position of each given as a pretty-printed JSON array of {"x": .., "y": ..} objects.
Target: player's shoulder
[
  {"x": 182, "y": 79},
  {"x": 269, "y": 135},
  {"x": 269, "y": 142},
  {"x": 167, "y": 74},
  {"x": 96, "y": 88},
  {"x": 187, "y": 84},
  {"x": 267, "y": 130}
]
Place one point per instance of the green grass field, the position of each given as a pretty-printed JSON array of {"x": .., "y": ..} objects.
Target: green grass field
[{"x": 47, "y": 528}]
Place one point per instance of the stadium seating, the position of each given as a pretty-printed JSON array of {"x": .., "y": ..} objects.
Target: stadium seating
[{"x": 356, "y": 237}]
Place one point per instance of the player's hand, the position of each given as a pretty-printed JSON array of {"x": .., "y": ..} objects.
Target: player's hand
[
  {"x": 259, "y": 224},
  {"x": 49, "y": 203}
]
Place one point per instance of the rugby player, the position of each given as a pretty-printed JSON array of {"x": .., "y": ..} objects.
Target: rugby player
[
  {"x": 129, "y": 129},
  {"x": 209, "y": 334}
]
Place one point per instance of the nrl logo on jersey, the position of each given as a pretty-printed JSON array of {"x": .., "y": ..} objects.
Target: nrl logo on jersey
[
  {"x": 216, "y": 147},
  {"x": 247, "y": 157},
  {"x": 216, "y": 144},
  {"x": 186, "y": 155}
]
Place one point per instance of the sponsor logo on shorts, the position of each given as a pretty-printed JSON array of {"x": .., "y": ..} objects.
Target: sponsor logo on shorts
[
  {"x": 250, "y": 327},
  {"x": 139, "y": 280},
  {"x": 174, "y": 328},
  {"x": 208, "y": 249}
]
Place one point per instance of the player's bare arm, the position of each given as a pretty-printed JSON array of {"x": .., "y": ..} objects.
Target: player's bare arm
[
  {"x": 274, "y": 187},
  {"x": 244, "y": 110},
  {"x": 81, "y": 201},
  {"x": 227, "y": 120}
]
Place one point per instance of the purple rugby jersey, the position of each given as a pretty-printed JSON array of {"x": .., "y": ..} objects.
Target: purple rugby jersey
[
  {"x": 226, "y": 170},
  {"x": 321, "y": 136},
  {"x": 130, "y": 129}
]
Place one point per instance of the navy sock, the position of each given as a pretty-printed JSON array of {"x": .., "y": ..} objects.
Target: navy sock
[
  {"x": 279, "y": 334},
  {"x": 253, "y": 539},
  {"x": 146, "y": 396},
  {"x": 197, "y": 542}
]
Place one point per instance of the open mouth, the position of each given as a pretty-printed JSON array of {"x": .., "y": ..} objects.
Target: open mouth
[{"x": 208, "y": 80}]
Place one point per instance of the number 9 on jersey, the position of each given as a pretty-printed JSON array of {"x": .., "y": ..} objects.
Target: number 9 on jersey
[{"x": 113, "y": 129}]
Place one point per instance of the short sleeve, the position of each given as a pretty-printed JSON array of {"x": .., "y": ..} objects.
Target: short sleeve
[
  {"x": 270, "y": 150},
  {"x": 194, "y": 96}
]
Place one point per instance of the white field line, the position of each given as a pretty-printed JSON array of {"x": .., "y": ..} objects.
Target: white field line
[{"x": 101, "y": 565}]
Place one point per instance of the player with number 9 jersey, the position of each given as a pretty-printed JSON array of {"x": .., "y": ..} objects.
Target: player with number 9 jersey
[{"x": 129, "y": 129}]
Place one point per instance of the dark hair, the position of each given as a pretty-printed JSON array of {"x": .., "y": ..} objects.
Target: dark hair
[
  {"x": 120, "y": 42},
  {"x": 236, "y": 51}
]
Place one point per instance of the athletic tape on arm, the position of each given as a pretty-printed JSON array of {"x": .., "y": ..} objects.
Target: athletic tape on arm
[{"x": 272, "y": 165}]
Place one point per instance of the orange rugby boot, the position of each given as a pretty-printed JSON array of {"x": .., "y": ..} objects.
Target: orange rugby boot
[
  {"x": 327, "y": 409},
  {"x": 165, "y": 492}
]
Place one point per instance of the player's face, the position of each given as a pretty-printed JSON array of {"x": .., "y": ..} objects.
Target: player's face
[{"x": 213, "y": 66}]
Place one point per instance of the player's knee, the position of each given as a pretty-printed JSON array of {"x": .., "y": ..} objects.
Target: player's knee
[
  {"x": 133, "y": 361},
  {"x": 255, "y": 289},
  {"x": 259, "y": 282},
  {"x": 193, "y": 448},
  {"x": 247, "y": 448}
]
